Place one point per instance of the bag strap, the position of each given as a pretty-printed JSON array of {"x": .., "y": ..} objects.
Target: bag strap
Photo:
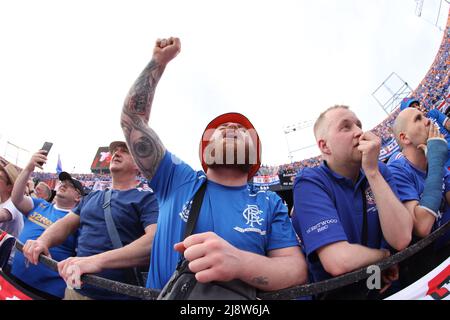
[
  {"x": 364, "y": 231},
  {"x": 132, "y": 274},
  {"x": 195, "y": 210},
  {"x": 110, "y": 225}
]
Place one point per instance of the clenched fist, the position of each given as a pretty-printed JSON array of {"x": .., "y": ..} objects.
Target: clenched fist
[
  {"x": 166, "y": 49},
  {"x": 369, "y": 145}
]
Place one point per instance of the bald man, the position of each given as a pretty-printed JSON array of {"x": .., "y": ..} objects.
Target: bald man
[
  {"x": 423, "y": 184},
  {"x": 346, "y": 208}
]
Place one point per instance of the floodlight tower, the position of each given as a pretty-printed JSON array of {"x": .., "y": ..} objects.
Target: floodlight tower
[{"x": 293, "y": 128}]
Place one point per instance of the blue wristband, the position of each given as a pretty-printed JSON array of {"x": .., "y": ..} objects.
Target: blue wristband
[{"x": 432, "y": 193}]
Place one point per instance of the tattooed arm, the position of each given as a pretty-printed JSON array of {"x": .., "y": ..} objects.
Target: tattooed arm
[{"x": 145, "y": 145}]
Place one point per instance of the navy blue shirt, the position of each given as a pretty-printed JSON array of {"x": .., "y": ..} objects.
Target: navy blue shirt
[
  {"x": 329, "y": 208},
  {"x": 132, "y": 210}
]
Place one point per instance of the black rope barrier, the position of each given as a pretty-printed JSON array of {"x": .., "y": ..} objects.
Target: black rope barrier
[
  {"x": 284, "y": 294},
  {"x": 111, "y": 285},
  {"x": 354, "y": 276}
]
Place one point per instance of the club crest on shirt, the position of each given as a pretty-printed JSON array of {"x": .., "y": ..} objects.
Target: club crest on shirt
[
  {"x": 370, "y": 198},
  {"x": 252, "y": 216},
  {"x": 184, "y": 213}
]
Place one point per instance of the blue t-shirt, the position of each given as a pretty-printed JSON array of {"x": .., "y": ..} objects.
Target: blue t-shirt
[
  {"x": 251, "y": 220},
  {"x": 132, "y": 210},
  {"x": 395, "y": 156},
  {"x": 41, "y": 277},
  {"x": 329, "y": 208},
  {"x": 410, "y": 183}
]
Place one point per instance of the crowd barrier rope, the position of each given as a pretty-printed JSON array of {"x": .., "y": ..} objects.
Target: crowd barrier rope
[{"x": 284, "y": 294}]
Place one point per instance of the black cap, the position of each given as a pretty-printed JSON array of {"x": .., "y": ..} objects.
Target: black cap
[{"x": 63, "y": 176}]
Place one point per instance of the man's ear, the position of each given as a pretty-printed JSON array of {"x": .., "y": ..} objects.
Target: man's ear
[
  {"x": 403, "y": 138},
  {"x": 322, "y": 144}
]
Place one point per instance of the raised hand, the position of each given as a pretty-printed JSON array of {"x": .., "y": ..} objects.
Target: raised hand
[
  {"x": 37, "y": 160},
  {"x": 166, "y": 49},
  {"x": 433, "y": 132},
  {"x": 369, "y": 145}
]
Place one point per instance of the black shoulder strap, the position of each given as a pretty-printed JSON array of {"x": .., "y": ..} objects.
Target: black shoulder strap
[
  {"x": 195, "y": 210},
  {"x": 364, "y": 235}
]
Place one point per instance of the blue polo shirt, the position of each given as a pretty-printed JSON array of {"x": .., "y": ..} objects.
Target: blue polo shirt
[
  {"x": 251, "y": 220},
  {"x": 329, "y": 208},
  {"x": 132, "y": 210},
  {"x": 410, "y": 183},
  {"x": 42, "y": 216}
]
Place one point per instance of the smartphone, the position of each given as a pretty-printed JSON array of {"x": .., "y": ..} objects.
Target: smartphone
[{"x": 47, "y": 146}]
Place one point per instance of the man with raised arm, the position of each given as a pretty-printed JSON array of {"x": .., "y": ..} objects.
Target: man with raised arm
[
  {"x": 39, "y": 216},
  {"x": 241, "y": 233},
  {"x": 345, "y": 207},
  {"x": 134, "y": 213}
]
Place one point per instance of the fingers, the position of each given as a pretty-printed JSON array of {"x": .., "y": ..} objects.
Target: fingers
[
  {"x": 198, "y": 238},
  {"x": 70, "y": 272},
  {"x": 422, "y": 147},
  {"x": 433, "y": 131},
  {"x": 162, "y": 43},
  {"x": 39, "y": 159},
  {"x": 200, "y": 264},
  {"x": 179, "y": 247},
  {"x": 32, "y": 249},
  {"x": 207, "y": 275},
  {"x": 196, "y": 251}
]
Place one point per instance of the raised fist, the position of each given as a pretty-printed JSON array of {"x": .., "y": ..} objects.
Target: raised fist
[{"x": 166, "y": 49}]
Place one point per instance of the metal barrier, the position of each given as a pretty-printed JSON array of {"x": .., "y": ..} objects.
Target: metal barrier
[{"x": 284, "y": 294}]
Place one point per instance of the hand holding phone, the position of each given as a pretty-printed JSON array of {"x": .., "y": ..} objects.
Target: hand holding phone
[{"x": 46, "y": 147}]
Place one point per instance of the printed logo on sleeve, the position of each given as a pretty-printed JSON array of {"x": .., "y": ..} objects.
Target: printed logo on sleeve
[{"x": 321, "y": 226}]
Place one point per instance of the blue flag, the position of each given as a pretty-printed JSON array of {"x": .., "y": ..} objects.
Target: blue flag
[{"x": 59, "y": 166}]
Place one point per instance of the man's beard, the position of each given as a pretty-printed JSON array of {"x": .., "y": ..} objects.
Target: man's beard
[{"x": 236, "y": 161}]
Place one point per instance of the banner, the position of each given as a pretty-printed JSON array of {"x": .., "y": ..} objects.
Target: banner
[
  {"x": 266, "y": 180},
  {"x": 433, "y": 286},
  {"x": 9, "y": 290},
  {"x": 287, "y": 179}
]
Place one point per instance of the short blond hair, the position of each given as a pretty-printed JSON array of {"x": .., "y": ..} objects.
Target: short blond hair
[{"x": 320, "y": 120}]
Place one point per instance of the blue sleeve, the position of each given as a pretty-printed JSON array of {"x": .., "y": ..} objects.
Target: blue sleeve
[
  {"x": 149, "y": 209},
  {"x": 438, "y": 116},
  {"x": 78, "y": 208},
  {"x": 387, "y": 175},
  {"x": 316, "y": 220},
  {"x": 170, "y": 175},
  {"x": 404, "y": 182},
  {"x": 282, "y": 233}
]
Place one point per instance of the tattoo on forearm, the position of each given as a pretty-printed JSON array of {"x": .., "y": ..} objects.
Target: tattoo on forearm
[
  {"x": 145, "y": 145},
  {"x": 260, "y": 281},
  {"x": 140, "y": 97}
]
